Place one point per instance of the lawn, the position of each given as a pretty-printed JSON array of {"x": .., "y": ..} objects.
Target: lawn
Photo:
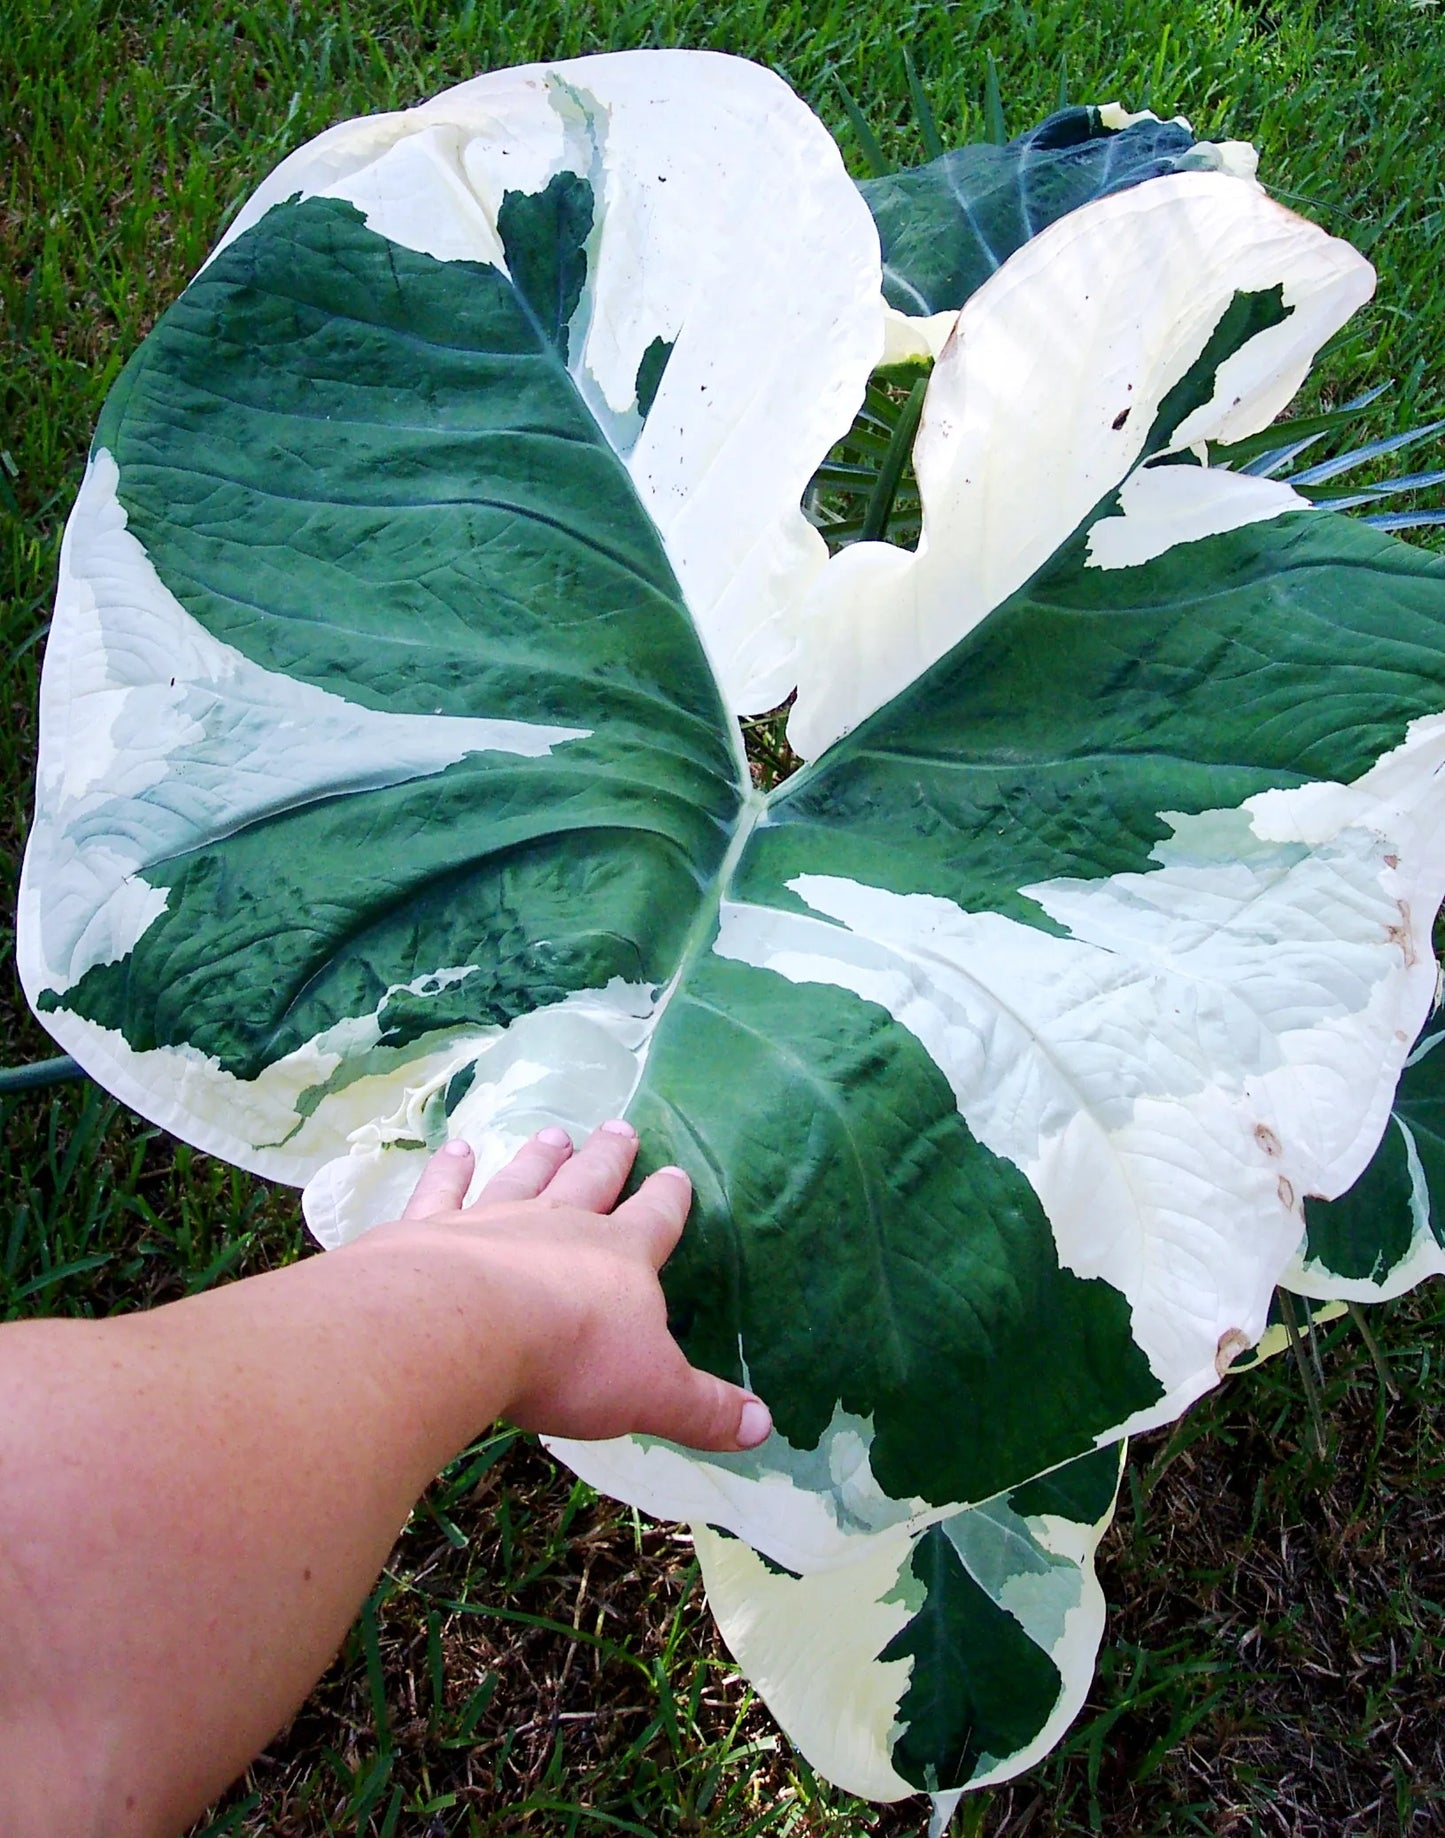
[{"x": 535, "y": 1659}]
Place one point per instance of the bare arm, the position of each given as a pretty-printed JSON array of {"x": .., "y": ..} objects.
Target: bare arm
[{"x": 194, "y": 1501}]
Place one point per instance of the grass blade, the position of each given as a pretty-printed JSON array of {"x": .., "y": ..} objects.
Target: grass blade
[
  {"x": 997, "y": 132},
  {"x": 867, "y": 140},
  {"x": 927, "y": 127},
  {"x": 375, "y": 1675}
]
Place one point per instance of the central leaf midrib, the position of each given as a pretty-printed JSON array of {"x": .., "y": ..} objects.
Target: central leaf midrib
[
  {"x": 551, "y": 355},
  {"x": 829, "y": 1101}
]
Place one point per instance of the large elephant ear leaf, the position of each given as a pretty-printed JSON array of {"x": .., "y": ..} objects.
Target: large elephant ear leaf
[
  {"x": 1387, "y": 1233},
  {"x": 947, "y": 226},
  {"x": 389, "y": 789},
  {"x": 929, "y": 1661},
  {"x": 1127, "y": 891},
  {"x": 381, "y": 705}
]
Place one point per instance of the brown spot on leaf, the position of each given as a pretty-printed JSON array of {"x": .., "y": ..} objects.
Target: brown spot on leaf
[
  {"x": 1267, "y": 1139},
  {"x": 1232, "y": 1343},
  {"x": 1402, "y": 935},
  {"x": 1285, "y": 1190},
  {"x": 1120, "y": 418}
]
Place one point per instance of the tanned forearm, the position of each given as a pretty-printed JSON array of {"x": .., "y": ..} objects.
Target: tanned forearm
[{"x": 194, "y": 1501}]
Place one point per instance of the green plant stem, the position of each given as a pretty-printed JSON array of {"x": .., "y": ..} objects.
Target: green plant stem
[
  {"x": 1290, "y": 1317},
  {"x": 900, "y": 448},
  {"x": 1357, "y": 1315}
]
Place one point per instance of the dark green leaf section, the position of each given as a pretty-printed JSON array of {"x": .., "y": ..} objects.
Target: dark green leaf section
[
  {"x": 979, "y": 1685},
  {"x": 867, "y": 1250},
  {"x": 945, "y": 227},
  {"x": 1047, "y": 743},
  {"x": 1082, "y": 1490},
  {"x": 1246, "y": 316},
  {"x": 544, "y": 237},
  {"x": 458, "y": 1085},
  {"x": 370, "y": 470},
  {"x": 649, "y": 374},
  {"x": 1365, "y": 1233},
  {"x": 547, "y": 880},
  {"x": 770, "y": 1564}
]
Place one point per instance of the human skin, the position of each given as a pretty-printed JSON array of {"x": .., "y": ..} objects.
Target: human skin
[{"x": 195, "y": 1500}]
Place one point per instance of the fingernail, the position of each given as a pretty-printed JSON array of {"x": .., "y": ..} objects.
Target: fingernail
[
  {"x": 555, "y": 1137},
  {"x": 619, "y": 1126},
  {"x": 456, "y": 1147},
  {"x": 681, "y": 1173},
  {"x": 755, "y": 1425}
]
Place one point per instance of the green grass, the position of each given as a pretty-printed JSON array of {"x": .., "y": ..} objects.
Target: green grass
[{"x": 535, "y": 1659}]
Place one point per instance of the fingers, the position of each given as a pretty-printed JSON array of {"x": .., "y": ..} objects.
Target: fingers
[
  {"x": 591, "y": 1179},
  {"x": 705, "y": 1412},
  {"x": 443, "y": 1184},
  {"x": 595, "y": 1175},
  {"x": 530, "y": 1170},
  {"x": 659, "y": 1210}
]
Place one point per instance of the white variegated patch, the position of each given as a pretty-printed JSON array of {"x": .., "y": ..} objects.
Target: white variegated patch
[
  {"x": 573, "y": 1063},
  {"x": 910, "y": 338},
  {"x": 1163, "y": 506},
  {"x": 811, "y": 1643},
  {"x": 283, "y": 1126},
  {"x": 805, "y": 1508},
  {"x": 727, "y": 226},
  {"x": 1040, "y": 404}
]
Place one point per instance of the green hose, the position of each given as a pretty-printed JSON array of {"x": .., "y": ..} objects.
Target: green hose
[{"x": 42, "y": 1072}]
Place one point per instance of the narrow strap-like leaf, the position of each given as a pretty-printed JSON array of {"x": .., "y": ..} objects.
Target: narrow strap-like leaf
[
  {"x": 1407, "y": 520},
  {"x": 1346, "y": 462},
  {"x": 1387, "y": 488},
  {"x": 1254, "y": 453},
  {"x": 1269, "y": 465}
]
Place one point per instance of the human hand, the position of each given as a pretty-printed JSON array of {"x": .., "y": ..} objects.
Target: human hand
[{"x": 577, "y": 1274}]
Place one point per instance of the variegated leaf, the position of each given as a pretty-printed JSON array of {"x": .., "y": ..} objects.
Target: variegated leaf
[
  {"x": 389, "y": 786},
  {"x": 938, "y": 1660},
  {"x": 1387, "y": 1233}
]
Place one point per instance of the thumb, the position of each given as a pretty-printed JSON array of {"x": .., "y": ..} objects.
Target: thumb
[{"x": 705, "y": 1412}]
